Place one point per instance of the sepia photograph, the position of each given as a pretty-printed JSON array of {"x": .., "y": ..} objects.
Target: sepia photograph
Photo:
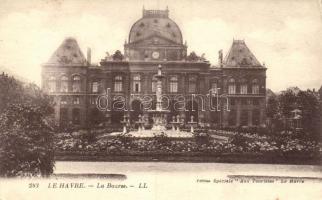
[{"x": 151, "y": 99}]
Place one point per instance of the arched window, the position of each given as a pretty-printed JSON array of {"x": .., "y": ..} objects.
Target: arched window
[
  {"x": 137, "y": 83},
  {"x": 76, "y": 85},
  {"x": 244, "y": 118},
  {"x": 256, "y": 117},
  {"x": 76, "y": 116},
  {"x": 64, "y": 84},
  {"x": 52, "y": 84},
  {"x": 243, "y": 86},
  {"x": 63, "y": 116},
  {"x": 231, "y": 86},
  {"x": 118, "y": 83},
  {"x": 232, "y": 117},
  {"x": 137, "y": 110},
  {"x": 154, "y": 84},
  {"x": 255, "y": 87},
  {"x": 192, "y": 84},
  {"x": 173, "y": 84}
]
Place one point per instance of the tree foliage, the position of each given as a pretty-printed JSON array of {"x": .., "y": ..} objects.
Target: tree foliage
[
  {"x": 279, "y": 110},
  {"x": 26, "y": 139}
]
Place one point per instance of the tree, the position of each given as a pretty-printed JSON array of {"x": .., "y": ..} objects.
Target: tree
[
  {"x": 273, "y": 114},
  {"x": 272, "y": 107},
  {"x": 26, "y": 138},
  {"x": 309, "y": 104},
  {"x": 279, "y": 111},
  {"x": 10, "y": 91},
  {"x": 287, "y": 102}
]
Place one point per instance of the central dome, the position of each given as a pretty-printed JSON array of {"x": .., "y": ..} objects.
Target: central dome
[{"x": 155, "y": 22}]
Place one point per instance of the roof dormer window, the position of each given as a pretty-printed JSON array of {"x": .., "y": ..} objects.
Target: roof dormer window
[{"x": 244, "y": 61}]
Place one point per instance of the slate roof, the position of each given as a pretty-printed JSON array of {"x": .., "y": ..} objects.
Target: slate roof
[
  {"x": 155, "y": 22},
  {"x": 68, "y": 53},
  {"x": 239, "y": 55}
]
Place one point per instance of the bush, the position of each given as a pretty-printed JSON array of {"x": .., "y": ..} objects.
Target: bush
[
  {"x": 160, "y": 140},
  {"x": 26, "y": 142},
  {"x": 202, "y": 138}
]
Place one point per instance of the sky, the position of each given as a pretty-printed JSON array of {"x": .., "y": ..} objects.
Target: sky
[{"x": 286, "y": 35}]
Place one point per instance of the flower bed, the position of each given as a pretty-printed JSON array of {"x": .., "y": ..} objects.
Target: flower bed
[{"x": 200, "y": 143}]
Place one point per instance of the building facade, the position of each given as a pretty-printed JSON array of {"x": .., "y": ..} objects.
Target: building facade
[{"x": 229, "y": 94}]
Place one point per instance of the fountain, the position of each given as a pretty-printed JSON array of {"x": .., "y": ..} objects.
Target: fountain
[
  {"x": 192, "y": 123},
  {"x": 140, "y": 123},
  {"x": 176, "y": 122},
  {"x": 125, "y": 123},
  {"x": 159, "y": 116}
]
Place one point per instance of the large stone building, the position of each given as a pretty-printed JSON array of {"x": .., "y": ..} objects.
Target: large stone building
[{"x": 231, "y": 93}]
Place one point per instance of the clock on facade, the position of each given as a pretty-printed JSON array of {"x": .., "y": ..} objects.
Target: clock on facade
[{"x": 155, "y": 55}]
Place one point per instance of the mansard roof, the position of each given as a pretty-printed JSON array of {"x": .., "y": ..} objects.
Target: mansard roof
[
  {"x": 239, "y": 55},
  {"x": 68, "y": 53}
]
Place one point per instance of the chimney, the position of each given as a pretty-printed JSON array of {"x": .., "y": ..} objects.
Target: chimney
[
  {"x": 89, "y": 56},
  {"x": 220, "y": 57}
]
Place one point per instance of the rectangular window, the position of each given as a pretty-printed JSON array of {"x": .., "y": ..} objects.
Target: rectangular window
[
  {"x": 63, "y": 100},
  {"x": 232, "y": 89},
  {"x": 232, "y": 102},
  {"x": 76, "y": 87},
  {"x": 118, "y": 84},
  {"x": 93, "y": 100},
  {"x": 137, "y": 87},
  {"x": 137, "y": 83},
  {"x": 64, "y": 86},
  {"x": 52, "y": 86},
  {"x": 214, "y": 88},
  {"x": 255, "y": 89},
  {"x": 243, "y": 89},
  {"x": 192, "y": 87},
  {"x": 244, "y": 102},
  {"x": 173, "y": 84},
  {"x": 174, "y": 87},
  {"x": 95, "y": 87},
  {"x": 255, "y": 102},
  {"x": 118, "y": 87},
  {"x": 76, "y": 100}
]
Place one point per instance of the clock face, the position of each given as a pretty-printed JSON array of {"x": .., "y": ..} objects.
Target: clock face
[{"x": 155, "y": 55}]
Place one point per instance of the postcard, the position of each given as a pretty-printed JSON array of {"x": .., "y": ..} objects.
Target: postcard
[{"x": 110, "y": 99}]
